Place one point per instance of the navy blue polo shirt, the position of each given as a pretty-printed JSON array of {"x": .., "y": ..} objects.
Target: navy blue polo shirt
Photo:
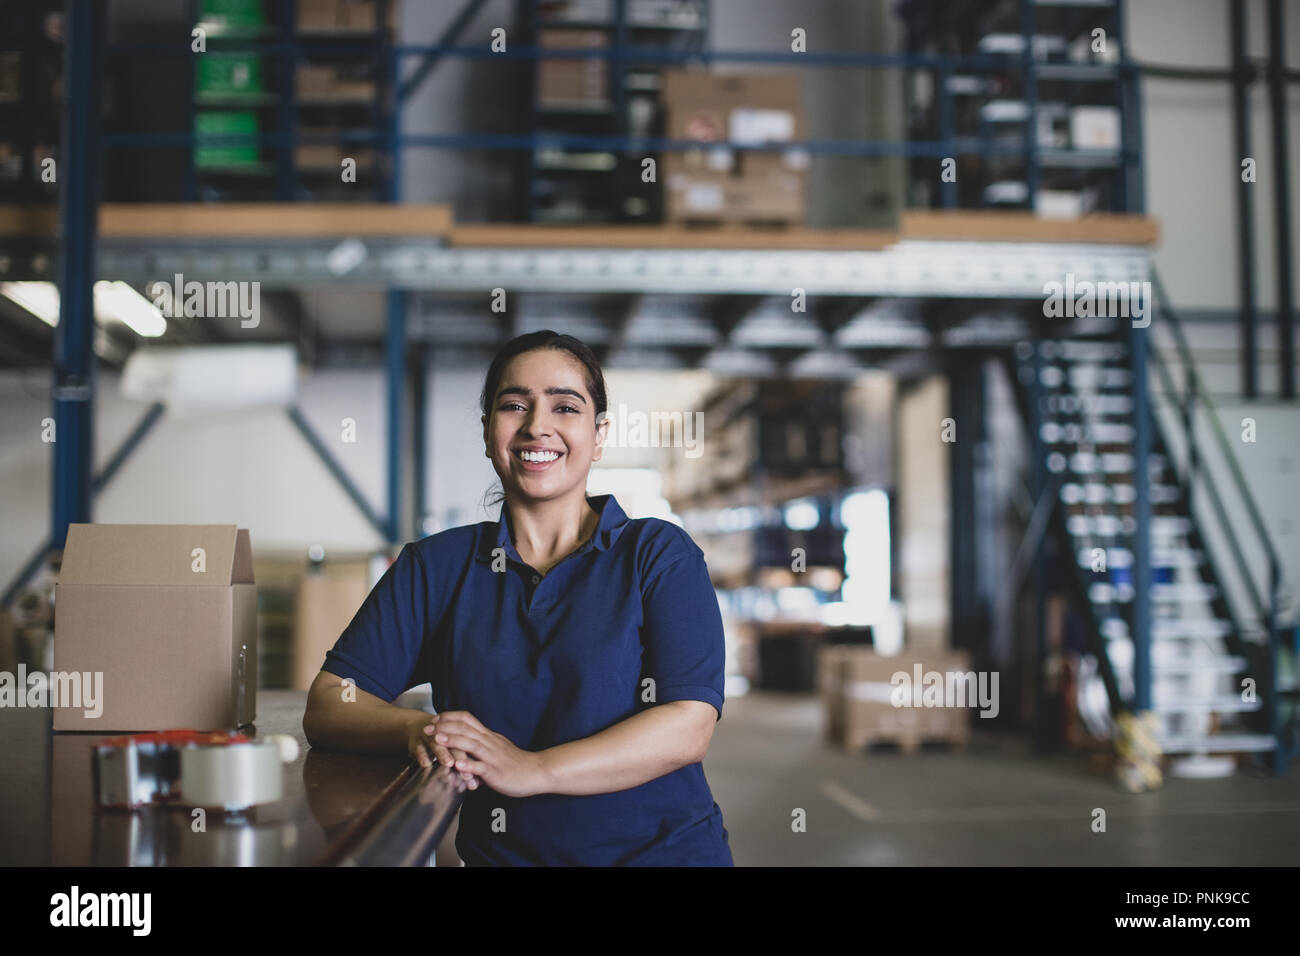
[{"x": 548, "y": 659}]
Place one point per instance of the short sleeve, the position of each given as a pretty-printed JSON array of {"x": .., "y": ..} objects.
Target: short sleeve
[
  {"x": 682, "y": 636},
  {"x": 384, "y": 648}
]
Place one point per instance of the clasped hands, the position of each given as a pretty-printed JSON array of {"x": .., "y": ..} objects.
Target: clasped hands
[{"x": 462, "y": 744}]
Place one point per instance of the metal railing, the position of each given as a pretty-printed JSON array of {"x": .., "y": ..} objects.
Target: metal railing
[{"x": 1194, "y": 397}]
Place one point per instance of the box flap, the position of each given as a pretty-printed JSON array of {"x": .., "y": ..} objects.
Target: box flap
[
  {"x": 154, "y": 554},
  {"x": 242, "y": 570}
]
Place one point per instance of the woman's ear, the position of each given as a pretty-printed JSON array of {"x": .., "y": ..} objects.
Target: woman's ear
[{"x": 602, "y": 434}]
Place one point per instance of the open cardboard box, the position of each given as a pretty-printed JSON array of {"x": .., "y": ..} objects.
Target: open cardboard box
[{"x": 168, "y": 615}]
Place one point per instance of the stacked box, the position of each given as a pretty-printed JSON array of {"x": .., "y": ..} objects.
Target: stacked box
[
  {"x": 243, "y": 122},
  {"x": 573, "y": 82},
  {"x": 857, "y": 689},
  {"x": 323, "y": 16},
  {"x": 723, "y": 184}
]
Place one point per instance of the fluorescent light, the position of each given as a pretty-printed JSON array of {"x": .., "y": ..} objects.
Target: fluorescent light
[
  {"x": 41, "y": 299},
  {"x": 114, "y": 301},
  {"x": 117, "y": 300}
]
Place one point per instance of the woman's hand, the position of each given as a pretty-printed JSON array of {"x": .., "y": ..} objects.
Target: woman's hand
[
  {"x": 424, "y": 749},
  {"x": 489, "y": 756}
]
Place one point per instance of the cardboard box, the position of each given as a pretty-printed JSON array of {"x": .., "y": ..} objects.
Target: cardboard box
[
  {"x": 315, "y": 81},
  {"x": 168, "y": 615},
  {"x": 741, "y": 108},
  {"x": 773, "y": 195},
  {"x": 1094, "y": 127},
  {"x": 573, "y": 82},
  {"x": 324, "y": 606},
  {"x": 324, "y": 16},
  {"x": 856, "y": 687},
  {"x": 318, "y": 14},
  {"x": 723, "y": 183},
  {"x": 10, "y": 75}
]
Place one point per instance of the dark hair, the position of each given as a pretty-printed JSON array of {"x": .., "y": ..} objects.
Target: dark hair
[{"x": 542, "y": 339}]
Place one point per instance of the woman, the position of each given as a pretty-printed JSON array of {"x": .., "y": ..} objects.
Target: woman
[{"x": 576, "y": 656}]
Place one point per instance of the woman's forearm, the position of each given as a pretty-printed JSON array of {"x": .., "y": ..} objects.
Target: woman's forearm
[
  {"x": 361, "y": 725},
  {"x": 642, "y": 747}
]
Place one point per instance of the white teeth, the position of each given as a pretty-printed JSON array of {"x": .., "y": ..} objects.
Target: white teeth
[{"x": 538, "y": 455}]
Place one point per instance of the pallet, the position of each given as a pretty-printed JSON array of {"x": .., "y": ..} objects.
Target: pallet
[{"x": 907, "y": 743}]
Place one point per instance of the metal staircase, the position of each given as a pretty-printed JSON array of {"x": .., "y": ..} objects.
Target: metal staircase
[{"x": 1212, "y": 627}]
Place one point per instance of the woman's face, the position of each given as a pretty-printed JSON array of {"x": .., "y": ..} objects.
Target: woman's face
[{"x": 542, "y": 403}]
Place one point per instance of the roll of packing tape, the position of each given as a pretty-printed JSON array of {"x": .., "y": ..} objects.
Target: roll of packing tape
[{"x": 232, "y": 777}]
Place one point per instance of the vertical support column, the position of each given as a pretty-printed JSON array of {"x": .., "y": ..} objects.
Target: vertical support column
[
  {"x": 1030, "y": 80},
  {"x": 966, "y": 408},
  {"x": 1132, "y": 174},
  {"x": 1141, "y": 633},
  {"x": 396, "y": 379},
  {"x": 420, "y": 435},
  {"x": 1281, "y": 197},
  {"x": 190, "y": 186},
  {"x": 947, "y": 190},
  {"x": 1245, "y": 204},
  {"x": 395, "y": 338},
  {"x": 1043, "y": 728},
  {"x": 618, "y": 96},
  {"x": 74, "y": 337},
  {"x": 286, "y": 64}
]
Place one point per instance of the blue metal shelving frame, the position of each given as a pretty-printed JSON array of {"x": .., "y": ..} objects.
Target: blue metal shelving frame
[{"x": 386, "y": 134}]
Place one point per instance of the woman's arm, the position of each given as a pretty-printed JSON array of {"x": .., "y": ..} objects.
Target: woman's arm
[
  {"x": 342, "y": 716},
  {"x": 641, "y": 748}
]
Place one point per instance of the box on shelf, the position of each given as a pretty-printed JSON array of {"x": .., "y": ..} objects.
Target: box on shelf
[
  {"x": 332, "y": 155},
  {"x": 317, "y": 80},
  {"x": 1094, "y": 127},
  {"x": 232, "y": 14},
  {"x": 856, "y": 686},
  {"x": 323, "y": 16},
  {"x": 726, "y": 184},
  {"x": 10, "y": 75},
  {"x": 167, "y": 614},
  {"x": 1064, "y": 203},
  {"x": 228, "y": 123},
  {"x": 776, "y": 196},
  {"x": 228, "y": 74},
  {"x": 573, "y": 82}
]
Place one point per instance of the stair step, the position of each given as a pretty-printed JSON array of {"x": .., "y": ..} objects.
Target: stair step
[
  {"x": 1200, "y": 664},
  {"x": 1177, "y": 557},
  {"x": 1106, "y": 526},
  {"x": 1121, "y": 405},
  {"x": 1189, "y": 629},
  {"x": 1082, "y": 351},
  {"x": 1121, "y": 557},
  {"x": 1216, "y": 743},
  {"x": 1104, "y": 592},
  {"x": 1100, "y": 433},
  {"x": 1184, "y": 591},
  {"x": 1085, "y": 377},
  {"x": 1221, "y": 705},
  {"x": 1168, "y": 524}
]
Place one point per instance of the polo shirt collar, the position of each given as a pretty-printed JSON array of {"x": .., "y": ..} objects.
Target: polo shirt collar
[{"x": 612, "y": 522}]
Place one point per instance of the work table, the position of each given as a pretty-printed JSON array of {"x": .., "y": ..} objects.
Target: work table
[{"x": 337, "y": 807}]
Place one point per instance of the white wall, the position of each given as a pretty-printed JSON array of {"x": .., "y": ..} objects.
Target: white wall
[{"x": 1192, "y": 166}]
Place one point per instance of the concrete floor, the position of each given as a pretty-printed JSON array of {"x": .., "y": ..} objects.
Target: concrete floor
[{"x": 994, "y": 804}]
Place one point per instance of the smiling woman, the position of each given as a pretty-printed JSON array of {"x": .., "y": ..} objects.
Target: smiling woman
[{"x": 575, "y": 654}]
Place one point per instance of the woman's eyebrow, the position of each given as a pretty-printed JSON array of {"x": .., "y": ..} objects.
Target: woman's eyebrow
[{"x": 528, "y": 392}]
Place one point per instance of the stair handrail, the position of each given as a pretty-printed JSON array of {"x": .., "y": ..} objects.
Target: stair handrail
[{"x": 1196, "y": 392}]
